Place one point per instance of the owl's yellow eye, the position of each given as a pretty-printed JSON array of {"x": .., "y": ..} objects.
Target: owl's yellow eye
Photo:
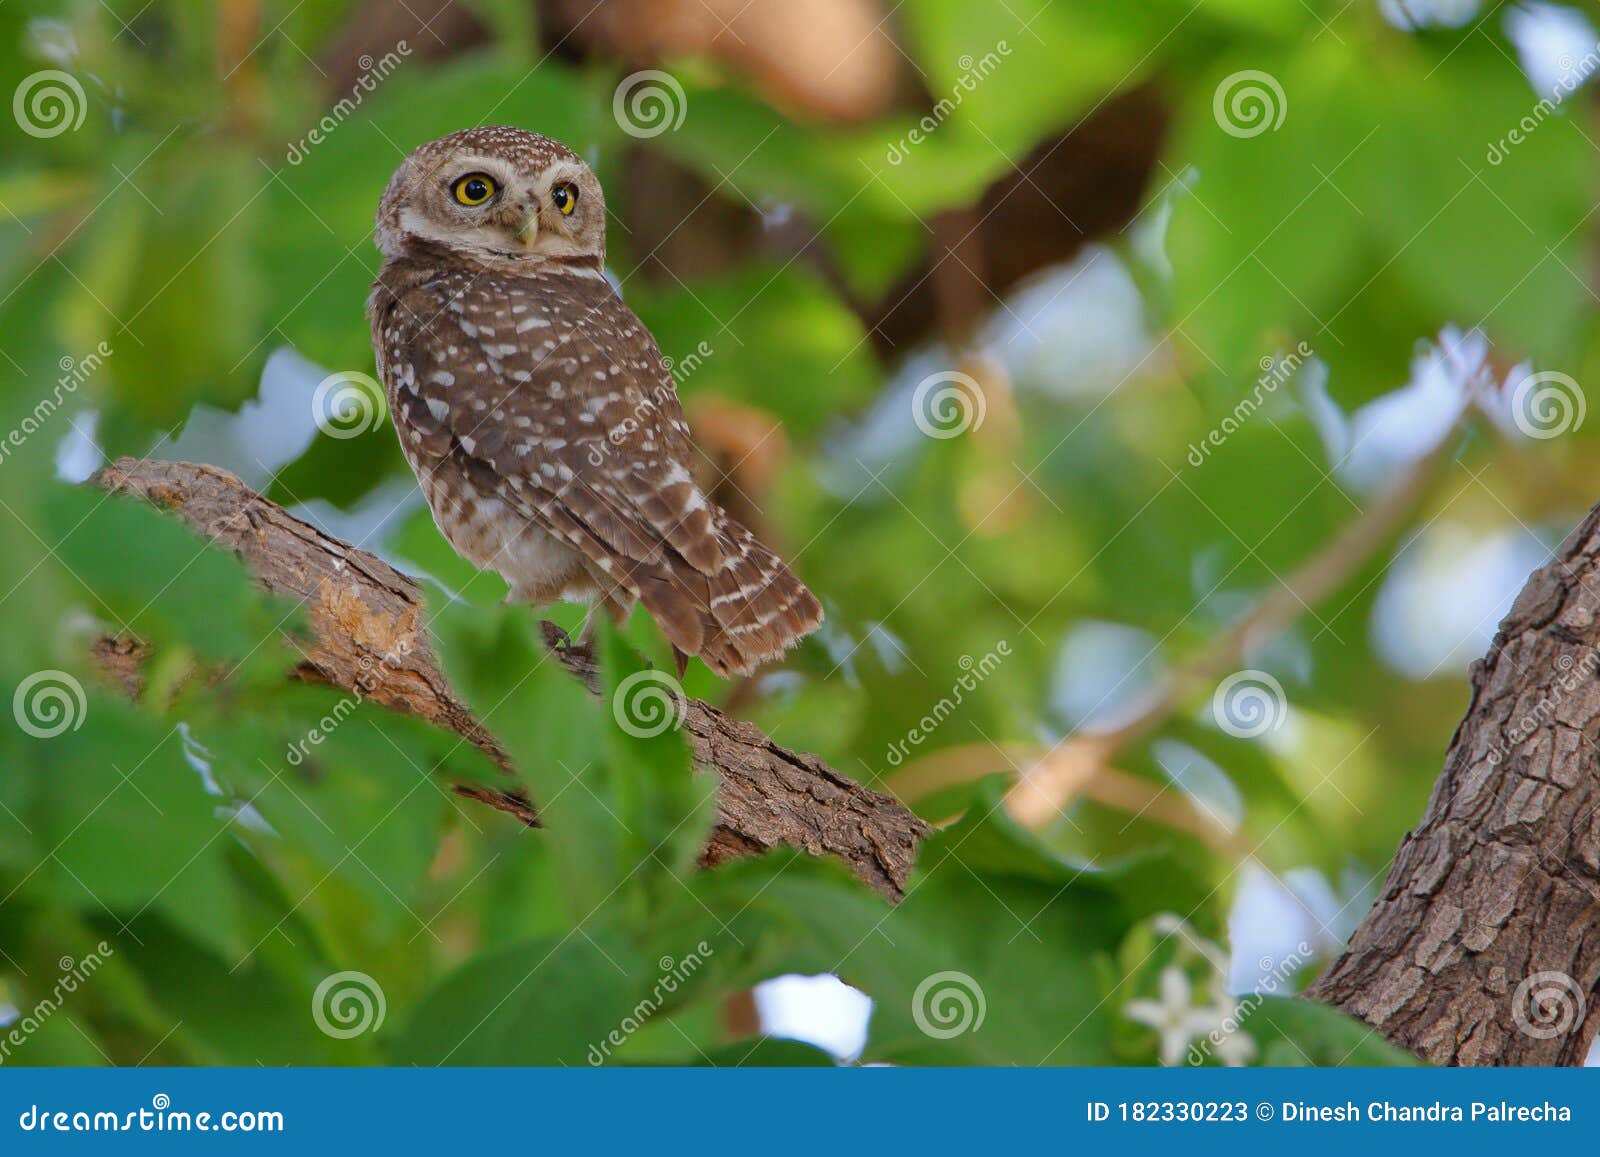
[
  {"x": 474, "y": 189},
  {"x": 565, "y": 197}
]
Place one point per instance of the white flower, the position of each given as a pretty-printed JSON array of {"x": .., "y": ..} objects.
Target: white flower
[
  {"x": 1553, "y": 42},
  {"x": 1388, "y": 434},
  {"x": 1178, "y": 1023}
]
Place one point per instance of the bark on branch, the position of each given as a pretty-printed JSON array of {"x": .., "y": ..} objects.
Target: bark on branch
[
  {"x": 1484, "y": 947},
  {"x": 369, "y": 626}
]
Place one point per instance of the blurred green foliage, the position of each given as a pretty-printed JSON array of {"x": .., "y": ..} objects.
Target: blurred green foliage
[{"x": 232, "y": 880}]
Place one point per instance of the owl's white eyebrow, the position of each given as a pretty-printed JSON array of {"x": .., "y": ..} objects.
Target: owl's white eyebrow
[
  {"x": 561, "y": 169},
  {"x": 466, "y": 166}
]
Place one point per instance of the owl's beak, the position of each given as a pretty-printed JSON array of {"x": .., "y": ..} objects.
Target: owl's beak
[{"x": 527, "y": 231}]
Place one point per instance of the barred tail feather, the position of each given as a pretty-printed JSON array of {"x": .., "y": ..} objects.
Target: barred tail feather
[
  {"x": 745, "y": 613},
  {"x": 757, "y": 609}
]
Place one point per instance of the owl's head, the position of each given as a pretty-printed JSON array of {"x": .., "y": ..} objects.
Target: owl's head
[{"x": 495, "y": 195}]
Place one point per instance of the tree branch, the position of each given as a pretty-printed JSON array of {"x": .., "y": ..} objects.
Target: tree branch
[
  {"x": 1498, "y": 885},
  {"x": 1500, "y": 881},
  {"x": 1043, "y": 790},
  {"x": 370, "y": 637}
]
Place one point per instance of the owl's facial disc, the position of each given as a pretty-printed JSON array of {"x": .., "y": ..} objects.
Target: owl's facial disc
[
  {"x": 566, "y": 213},
  {"x": 495, "y": 205}
]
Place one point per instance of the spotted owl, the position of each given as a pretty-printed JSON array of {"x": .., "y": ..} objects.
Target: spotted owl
[{"x": 536, "y": 410}]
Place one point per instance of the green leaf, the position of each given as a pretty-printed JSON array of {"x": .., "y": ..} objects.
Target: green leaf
[
  {"x": 1294, "y": 1032},
  {"x": 551, "y": 1001},
  {"x": 558, "y": 739},
  {"x": 665, "y": 807},
  {"x": 775, "y": 338},
  {"x": 768, "y": 1052},
  {"x": 116, "y": 779},
  {"x": 1374, "y": 190},
  {"x": 150, "y": 576}
]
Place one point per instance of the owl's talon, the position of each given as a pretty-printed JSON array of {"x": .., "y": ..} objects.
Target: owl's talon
[{"x": 555, "y": 635}]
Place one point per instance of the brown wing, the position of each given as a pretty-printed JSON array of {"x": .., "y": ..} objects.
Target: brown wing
[{"x": 548, "y": 393}]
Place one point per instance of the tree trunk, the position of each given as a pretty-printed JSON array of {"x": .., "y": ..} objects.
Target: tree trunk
[{"x": 1484, "y": 947}]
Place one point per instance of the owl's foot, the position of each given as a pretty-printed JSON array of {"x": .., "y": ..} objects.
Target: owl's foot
[
  {"x": 554, "y": 635},
  {"x": 591, "y": 624},
  {"x": 557, "y": 639},
  {"x": 614, "y": 603}
]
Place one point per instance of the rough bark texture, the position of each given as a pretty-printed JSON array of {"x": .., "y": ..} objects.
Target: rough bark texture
[
  {"x": 1500, "y": 881},
  {"x": 1484, "y": 947},
  {"x": 368, "y": 621}
]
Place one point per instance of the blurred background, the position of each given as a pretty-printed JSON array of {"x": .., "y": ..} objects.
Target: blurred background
[{"x": 1165, "y": 400}]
